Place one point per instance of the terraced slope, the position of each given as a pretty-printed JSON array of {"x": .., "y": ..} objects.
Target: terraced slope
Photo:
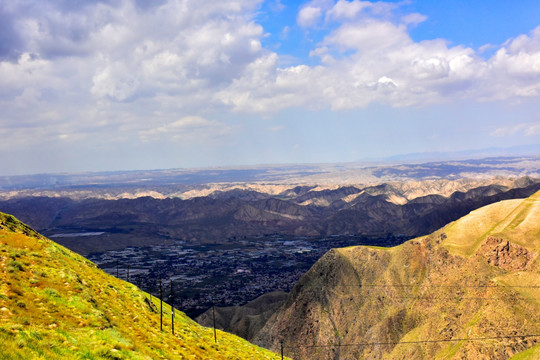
[
  {"x": 54, "y": 304},
  {"x": 470, "y": 290}
]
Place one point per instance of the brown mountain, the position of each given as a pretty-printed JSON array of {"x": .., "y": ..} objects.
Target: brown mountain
[
  {"x": 245, "y": 320},
  {"x": 470, "y": 290},
  {"x": 397, "y": 209}
]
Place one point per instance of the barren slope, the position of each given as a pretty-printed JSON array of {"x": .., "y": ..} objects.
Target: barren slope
[{"x": 469, "y": 290}]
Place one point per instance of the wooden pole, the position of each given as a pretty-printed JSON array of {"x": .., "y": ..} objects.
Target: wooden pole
[
  {"x": 116, "y": 268},
  {"x": 281, "y": 350},
  {"x": 214, "y": 317},
  {"x": 128, "y": 274},
  {"x": 160, "y": 305},
  {"x": 172, "y": 308}
]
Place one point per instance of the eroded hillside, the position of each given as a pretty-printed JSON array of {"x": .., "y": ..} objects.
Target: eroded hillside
[
  {"x": 409, "y": 209},
  {"x": 55, "y": 304},
  {"x": 469, "y": 290}
]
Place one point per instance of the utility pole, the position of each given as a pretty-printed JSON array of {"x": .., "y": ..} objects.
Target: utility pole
[
  {"x": 172, "y": 308},
  {"x": 214, "y": 317},
  {"x": 128, "y": 274},
  {"x": 160, "y": 305}
]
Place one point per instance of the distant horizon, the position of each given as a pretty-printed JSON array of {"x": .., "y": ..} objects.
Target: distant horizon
[
  {"x": 394, "y": 160},
  {"x": 127, "y": 84}
]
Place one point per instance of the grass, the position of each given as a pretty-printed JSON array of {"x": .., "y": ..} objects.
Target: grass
[
  {"x": 54, "y": 304},
  {"x": 516, "y": 219},
  {"x": 530, "y": 354}
]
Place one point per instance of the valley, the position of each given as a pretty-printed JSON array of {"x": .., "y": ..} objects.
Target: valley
[
  {"x": 224, "y": 274},
  {"x": 261, "y": 252},
  {"x": 268, "y": 179}
]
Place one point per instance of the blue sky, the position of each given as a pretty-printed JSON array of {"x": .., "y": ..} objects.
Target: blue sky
[{"x": 121, "y": 84}]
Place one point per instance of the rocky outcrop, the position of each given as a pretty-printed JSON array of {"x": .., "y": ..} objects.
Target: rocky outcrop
[{"x": 506, "y": 255}]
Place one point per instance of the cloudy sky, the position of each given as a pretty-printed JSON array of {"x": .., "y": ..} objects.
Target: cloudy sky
[{"x": 89, "y": 85}]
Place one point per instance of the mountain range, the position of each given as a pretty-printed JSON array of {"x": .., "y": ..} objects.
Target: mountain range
[
  {"x": 404, "y": 209},
  {"x": 470, "y": 289}
]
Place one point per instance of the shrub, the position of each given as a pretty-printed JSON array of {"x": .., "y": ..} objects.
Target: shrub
[
  {"x": 21, "y": 304},
  {"x": 14, "y": 265},
  {"x": 51, "y": 292}
]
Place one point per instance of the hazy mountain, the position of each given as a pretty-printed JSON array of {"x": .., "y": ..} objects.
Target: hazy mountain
[
  {"x": 409, "y": 209},
  {"x": 268, "y": 179},
  {"x": 533, "y": 149}
]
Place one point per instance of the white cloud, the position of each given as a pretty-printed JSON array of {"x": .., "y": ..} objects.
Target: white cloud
[
  {"x": 116, "y": 68},
  {"x": 347, "y": 9},
  {"x": 115, "y": 81},
  {"x": 533, "y": 129},
  {"x": 526, "y": 129},
  {"x": 309, "y": 16},
  {"x": 189, "y": 127},
  {"x": 413, "y": 19},
  {"x": 277, "y": 6},
  {"x": 367, "y": 44}
]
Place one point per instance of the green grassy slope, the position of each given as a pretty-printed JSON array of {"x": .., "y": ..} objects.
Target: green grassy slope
[
  {"x": 429, "y": 298},
  {"x": 54, "y": 304},
  {"x": 517, "y": 219}
]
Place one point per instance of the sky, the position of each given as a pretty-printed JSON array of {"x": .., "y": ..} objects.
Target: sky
[{"x": 91, "y": 85}]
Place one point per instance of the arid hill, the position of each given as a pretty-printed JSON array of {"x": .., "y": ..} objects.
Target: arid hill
[
  {"x": 246, "y": 320},
  {"x": 470, "y": 290},
  {"x": 410, "y": 209}
]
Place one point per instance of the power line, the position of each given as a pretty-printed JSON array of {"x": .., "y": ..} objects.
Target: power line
[
  {"x": 441, "y": 286},
  {"x": 456, "y": 297},
  {"x": 297, "y": 346}
]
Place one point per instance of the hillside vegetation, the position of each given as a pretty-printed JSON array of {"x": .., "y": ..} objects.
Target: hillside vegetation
[
  {"x": 470, "y": 290},
  {"x": 54, "y": 304}
]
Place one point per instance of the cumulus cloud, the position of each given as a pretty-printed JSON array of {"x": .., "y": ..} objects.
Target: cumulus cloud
[
  {"x": 134, "y": 67},
  {"x": 309, "y": 16},
  {"x": 114, "y": 66},
  {"x": 413, "y": 19},
  {"x": 365, "y": 43}
]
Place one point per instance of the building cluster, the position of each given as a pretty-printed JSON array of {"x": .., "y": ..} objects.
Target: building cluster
[{"x": 232, "y": 272}]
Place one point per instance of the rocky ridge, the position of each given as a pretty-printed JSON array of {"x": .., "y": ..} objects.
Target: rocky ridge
[
  {"x": 431, "y": 297},
  {"x": 241, "y": 213}
]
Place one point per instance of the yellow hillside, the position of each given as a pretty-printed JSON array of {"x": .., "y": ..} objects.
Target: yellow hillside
[
  {"x": 55, "y": 304},
  {"x": 517, "y": 219}
]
